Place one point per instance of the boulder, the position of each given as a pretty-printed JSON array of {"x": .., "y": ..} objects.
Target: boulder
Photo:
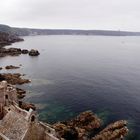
[
  {"x": 34, "y": 52},
  {"x": 24, "y": 51}
]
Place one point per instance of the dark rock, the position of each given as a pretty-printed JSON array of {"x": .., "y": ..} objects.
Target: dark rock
[
  {"x": 17, "y": 51},
  {"x": 0, "y": 68},
  {"x": 10, "y": 51},
  {"x": 21, "y": 96},
  {"x": 20, "y": 93},
  {"x": 34, "y": 52},
  {"x": 4, "y": 43},
  {"x": 8, "y": 39},
  {"x": 11, "y": 67},
  {"x": 70, "y": 134},
  {"x": 24, "y": 51}
]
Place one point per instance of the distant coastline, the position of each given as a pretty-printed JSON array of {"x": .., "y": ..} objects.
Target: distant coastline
[{"x": 31, "y": 31}]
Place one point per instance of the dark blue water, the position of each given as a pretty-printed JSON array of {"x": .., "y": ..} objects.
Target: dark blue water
[{"x": 79, "y": 73}]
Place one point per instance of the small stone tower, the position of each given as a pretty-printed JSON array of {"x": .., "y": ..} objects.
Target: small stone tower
[{"x": 7, "y": 96}]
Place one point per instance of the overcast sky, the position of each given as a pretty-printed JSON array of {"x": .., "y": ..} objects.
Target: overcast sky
[{"x": 72, "y": 14}]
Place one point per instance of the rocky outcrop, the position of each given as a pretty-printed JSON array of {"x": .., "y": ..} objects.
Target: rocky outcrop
[
  {"x": 10, "y": 51},
  {"x": 11, "y": 67},
  {"x": 79, "y": 127},
  {"x": 15, "y": 78},
  {"x": 16, "y": 52},
  {"x": 8, "y": 39},
  {"x": 34, "y": 52},
  {"x": 115, "y": 131},
  {"x": 87, "y": 123}
]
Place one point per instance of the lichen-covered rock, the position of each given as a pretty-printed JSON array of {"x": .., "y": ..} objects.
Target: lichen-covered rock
[{"x": 34, "y": 52}]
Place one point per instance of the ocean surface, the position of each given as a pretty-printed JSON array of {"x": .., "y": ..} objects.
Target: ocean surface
[{"x": 78, "y": 73}]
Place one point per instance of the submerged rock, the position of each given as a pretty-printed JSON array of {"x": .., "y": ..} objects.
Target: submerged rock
[
  {"x": 14, "y": 78},
  {"x": 34, "y": 52},
  {"x": 11, "y": 67}
]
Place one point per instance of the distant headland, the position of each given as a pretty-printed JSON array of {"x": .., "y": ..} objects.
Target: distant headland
[{"x": 32, "y": 31}]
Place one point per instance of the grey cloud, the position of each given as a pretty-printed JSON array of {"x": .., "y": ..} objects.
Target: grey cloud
[{"x": 81, "y": 14}]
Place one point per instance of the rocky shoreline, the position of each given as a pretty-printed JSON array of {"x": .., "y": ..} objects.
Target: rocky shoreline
[
  {"x": 79, "y": 128},
  {"x": 8, "y": 39},
  {"x": 82, "y": 126},
  {"x": 17, "y": 51}
]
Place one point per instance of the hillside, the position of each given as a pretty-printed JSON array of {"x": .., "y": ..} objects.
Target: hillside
[
  {"x": 6, "y": 29},
  {"x": 30, "y": 31}
]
